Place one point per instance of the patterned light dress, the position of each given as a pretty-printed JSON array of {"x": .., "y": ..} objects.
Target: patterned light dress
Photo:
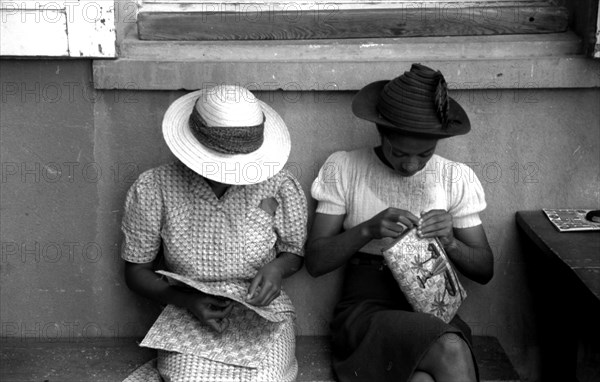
[{"x": 216, "y": 245}]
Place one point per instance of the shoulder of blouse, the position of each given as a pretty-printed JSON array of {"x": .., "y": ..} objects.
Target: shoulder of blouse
[
  {"x": 285, "y": 180},
  {"x": 347, "y": 160}
]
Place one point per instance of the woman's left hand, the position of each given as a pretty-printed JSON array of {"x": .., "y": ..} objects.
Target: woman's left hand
[
  {"x": 266, "y": 285},
  {"x": 437, "y": 223}
]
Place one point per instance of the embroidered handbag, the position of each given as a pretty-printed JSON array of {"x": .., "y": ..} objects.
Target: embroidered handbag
[{"x": 425, "y": 275}]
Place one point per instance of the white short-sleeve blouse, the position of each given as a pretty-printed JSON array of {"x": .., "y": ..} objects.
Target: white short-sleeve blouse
[{"x": 358, "y": 185}]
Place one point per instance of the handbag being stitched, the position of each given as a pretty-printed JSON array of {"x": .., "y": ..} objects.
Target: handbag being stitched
[{"x": 425, "y": 275}]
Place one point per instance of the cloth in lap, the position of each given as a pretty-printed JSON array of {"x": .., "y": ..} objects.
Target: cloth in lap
[
  {"x": 376, "y": 335},
  {"x": 279, "y": 365}
]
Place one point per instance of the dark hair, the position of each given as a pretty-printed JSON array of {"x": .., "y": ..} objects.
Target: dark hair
[
  {"x": 384, "y": 130},
  {"x": 387, "y": 132}
]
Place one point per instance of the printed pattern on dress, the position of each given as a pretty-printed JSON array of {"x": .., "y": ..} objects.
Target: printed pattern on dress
[
  {"x": 216, "y": 245},
  {"x": 278, "y": 310},
  {"x": 244, "y": 343},
  {"x": 145, "y": 373},
  {"x": 279, "y": 365}
]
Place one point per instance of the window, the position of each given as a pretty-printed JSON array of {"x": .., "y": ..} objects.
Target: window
[
  {"x": 329, "y": 19},
  {"x": 324, "y": 64}
]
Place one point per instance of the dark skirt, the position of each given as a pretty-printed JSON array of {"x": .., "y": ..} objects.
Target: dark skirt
[{"x": 376, "y": 335}]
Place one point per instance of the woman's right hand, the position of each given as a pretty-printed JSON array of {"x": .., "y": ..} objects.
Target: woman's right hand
[
  {"x": 390, "y": 222},
  {"x": 210, "y": 310},
  {"x": 329, "y": 246}
]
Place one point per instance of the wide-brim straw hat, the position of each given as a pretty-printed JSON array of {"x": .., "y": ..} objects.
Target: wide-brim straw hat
[
  {"x": 415, "y": 103},
  {"x": 226, "y": 106}
]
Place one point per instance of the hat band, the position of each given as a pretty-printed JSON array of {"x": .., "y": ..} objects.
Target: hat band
[
  {"x": 416, "y": 100},
  {"x": 226, "y": 139}
]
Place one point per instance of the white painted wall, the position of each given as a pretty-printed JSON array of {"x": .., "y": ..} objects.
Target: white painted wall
[{"x": 65, "y": 28}]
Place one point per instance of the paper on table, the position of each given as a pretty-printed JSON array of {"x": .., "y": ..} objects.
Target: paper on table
[{"x": 570, "y": 219}]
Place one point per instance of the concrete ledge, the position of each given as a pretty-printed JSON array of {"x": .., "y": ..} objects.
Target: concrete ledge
[
  {"x": 550, "y": 72},
  {"x": 468, "y": 62},
  {"x": 93, "y": 360},
  {"x": 360, "y": 49}
]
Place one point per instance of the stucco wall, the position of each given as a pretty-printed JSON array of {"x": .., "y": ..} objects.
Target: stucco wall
[{"x": 69, "y": 154}]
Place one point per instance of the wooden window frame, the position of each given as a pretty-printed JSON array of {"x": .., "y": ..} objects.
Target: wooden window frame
[
  {"x": 343, "y": 19},
  {"x": 514, "y": 61}
]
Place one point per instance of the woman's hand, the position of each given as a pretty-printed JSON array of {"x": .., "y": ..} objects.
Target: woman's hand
[
  {"x": 266, "y": 285},
  {"x": 437, "y": 223},
  {"x": 212, "y": 311},
  {"x": 390, "y": 222},
  {"x": 329, "y": 246}
]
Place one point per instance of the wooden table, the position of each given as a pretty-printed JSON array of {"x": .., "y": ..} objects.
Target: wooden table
[
  {"x": 579, "y": 251},
  {"x": 563, "y": 271}
]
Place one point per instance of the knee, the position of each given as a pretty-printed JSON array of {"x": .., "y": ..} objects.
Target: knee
[
  {"x": 421, "y": 376},
  {"x": 452, "y": 350}
]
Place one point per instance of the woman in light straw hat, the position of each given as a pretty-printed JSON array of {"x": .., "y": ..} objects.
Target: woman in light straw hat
[
  {"x": 231, "y": 224},
  {"x": 369, "y": 196}
]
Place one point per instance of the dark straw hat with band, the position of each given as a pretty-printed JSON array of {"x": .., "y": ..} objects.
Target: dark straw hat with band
[
  {"x": 226, "y": 134},
  {"x": 415, "y": 103}
]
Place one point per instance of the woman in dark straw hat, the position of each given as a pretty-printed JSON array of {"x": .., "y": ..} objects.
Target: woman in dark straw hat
[
  {"x": 231, "y": 224},
  {"x": 369, "y": 196}
]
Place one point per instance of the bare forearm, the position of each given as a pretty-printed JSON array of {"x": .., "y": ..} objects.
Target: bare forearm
[
  {"x": 474, "y": 262},
  {"x": 147, "y": 283},
  {"x": 326, "y": 254},
  {"x": 289, "y": 263}
]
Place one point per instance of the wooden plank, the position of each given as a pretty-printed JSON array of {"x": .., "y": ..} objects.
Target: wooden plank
[
  {"x": 562, "y": 269},
  {"x": 596, "y": 51},
  {"x": 314, "y": 355},
  {"x": 106, "y": 359},
  {"x": 314, "y": 359},
  {"x": 578, "y": 251},
  {"x": 380, "y": 49},
  {"x": 328, "y": 23},
  {"x": 527, "y": 74},
  {"x": 585, "y": 20},
  {"x": 72, "y": 360},
  {"x": 253, "y": 6},
  {"x": 494, "y": 364}
]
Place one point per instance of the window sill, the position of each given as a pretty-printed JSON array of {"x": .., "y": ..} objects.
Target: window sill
[{"x": 468, "y": 62}]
